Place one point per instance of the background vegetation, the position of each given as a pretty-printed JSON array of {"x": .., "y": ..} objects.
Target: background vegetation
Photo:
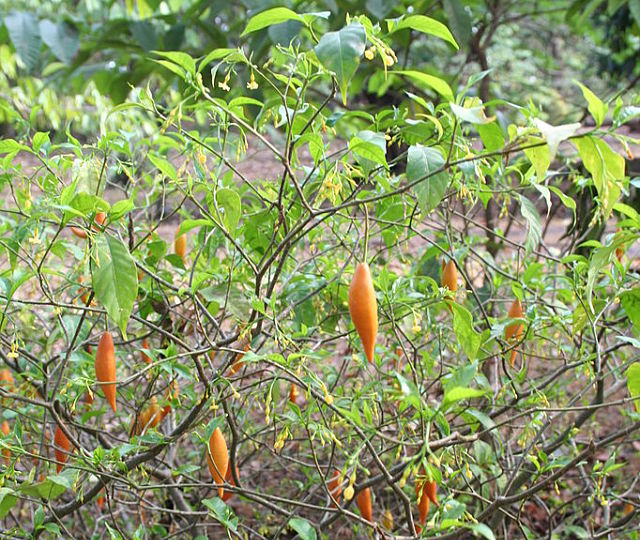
[{"x": 200, "y": 180}]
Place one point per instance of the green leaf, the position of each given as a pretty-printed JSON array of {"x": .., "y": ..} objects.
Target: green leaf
[
  {"x": 459, "y": 393},
  {"x": 303, "y": 528},
  {"x": 633, "y": 383},
  {"x": 539, "y": 158},
  {"x": 64, "y": 480},
  {"x": 114, "y": 279},
  {"x": 85, "y": 203},
  {"x": 189, "y": 224},
  {"x": 144, "y": 34},
  {"x": 40, "y": 139},
  {"x": 599, "y": 260},
  {"x": 473, "y": 115},
  {"x": 180, "y": 59},
  {"x": 423, "y": 24},
  {"x": 423, "y": 161},
  {"x": 436, "y": 83},
  {"x": 634, "y": 8},
  {"x": 8, "y": 500},
  {"x": 221, "y": 512},
  {"x": 577, "y": 531},
  {"x": 270, "y": 17},
  {"x": 239, "y": 102},
  {"x": 606, "y": 168},
  {"x": 534, "y": 227},
  {"x": 121, "y": 208},
  {"x": 566, "y": 200},
  {"x": 86, "y": 174},
  {"x": 597, "y": 109},
  {"x": 459, "y": 19},
  {"x": 491, "y": 135},
  {"x": 340, "y": 53},
  {"x": 467, "y": 336},
  {"x": 480, "y": 529},
  {"x": 630, "y": 301},
  {"x": 62, "y": 38},
  {"x": 164, "y": 166},
  {"x": 25, "y": 36},
  {"x": 216, "y": 54},
  {"x": 174, "y": 68},
  {"x": 628, "y": 211},
  {"x": 368, "y": 150},
  {"x": 316, "y": 145},
  {"x": 230, "y": 204},
  {"x": 8, "y": 146},
  {"x": 43, "y": 490},
  {"x": 410, "y": 392}
]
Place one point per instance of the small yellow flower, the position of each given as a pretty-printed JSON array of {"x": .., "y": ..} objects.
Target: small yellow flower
[
  {"x": 279, "y": 444},
  {"x": 370, "y": 53},
  {"x": 388, "y": 61},
  {"x": 35, "y": 239},
  {"x": 224, "y": 84},
  {"x": 387, "y": 520},
  {"x": 252, "y": 84}
]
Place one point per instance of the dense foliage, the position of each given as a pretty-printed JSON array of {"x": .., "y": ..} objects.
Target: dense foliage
[{"x": 194, "y": 220}]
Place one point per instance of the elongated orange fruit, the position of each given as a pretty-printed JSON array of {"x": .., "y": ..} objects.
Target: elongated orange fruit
[
  {"x": 149, "y": 417},
  {"x": 293, "y": 393},
  {"x": 450, "y": 276},
  {"x": 145, "y": 357},
  {"x": 99, "y": 220},
  {"x": 363, "y": 500},
  {"x": 218, "y": 459},
  {"x": 363, "y": 308},
  {"x": 171, "y": 393},
  {"x": 100, "y": 499},
  {"x": 238, "y": 364},
  {"x": 180, "y": 245},
  {"x": 105, "y": 365},
  {"x": 6, "y": 378},
  {"x": 80, "y": 233},
  {"x": 335, "y": 488},
  {"x": 513, "y": 332},
  {"x": 61, "y": 448},
  {"x": 423, "y": 501},
  {"x": 397, "y": 360},
  {"x": 5, "y": 431},
  {"x": 430, "y": 488},
  {"x": 229, "y": 480}
]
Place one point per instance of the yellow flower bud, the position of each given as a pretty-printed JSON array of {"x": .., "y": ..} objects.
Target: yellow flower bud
[{"x": 348, "y": 493}]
